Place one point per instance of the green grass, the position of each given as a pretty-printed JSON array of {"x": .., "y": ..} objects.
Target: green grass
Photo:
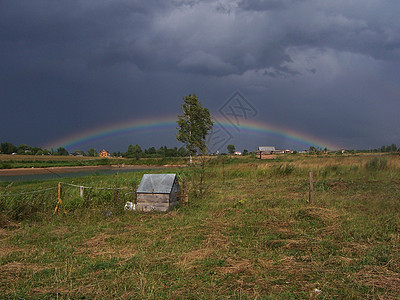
[
  {"x": 253, "y": 235},
  {"x": 29, "y": 161}
]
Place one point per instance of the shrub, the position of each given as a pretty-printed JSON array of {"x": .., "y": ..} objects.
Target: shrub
[
  {"x": 5, "y": 165},
  {"x": 21, "y": 207},
  {"x": 376, "y": 164},
  {"x": 284, "y": 170}
]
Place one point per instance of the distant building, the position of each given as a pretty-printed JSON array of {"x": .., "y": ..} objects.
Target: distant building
[
  {"x": 76, "y": 154},
  {"x": 285, "y": 151},
  {"x": 265, "y": 152},
  {"x": 104, "y": 154},
  {"x": 238, "y": 153},
  {"x": 269, "y": 152},
  {"x": 266, "y": 149}
]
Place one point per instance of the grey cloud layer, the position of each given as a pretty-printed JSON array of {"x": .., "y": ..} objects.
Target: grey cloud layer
[
  {"x": 316, "y": 54},
  {"x": 212, "y": 37},
  {"x": 205, "y": 39}
]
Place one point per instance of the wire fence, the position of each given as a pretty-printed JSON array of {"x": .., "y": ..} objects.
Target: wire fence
[
  {"x": 66, "y": 184},
  {"x": 69, "y": 197},
  {"x": 27, "y": 193},
  {"x": 22, "y": 205},
  {"x": 97, "y": 188}
]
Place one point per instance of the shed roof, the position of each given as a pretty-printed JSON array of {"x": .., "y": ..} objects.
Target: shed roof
[
  {"x": 156, "y": 183},
  {"x": 266, "y": 148}
]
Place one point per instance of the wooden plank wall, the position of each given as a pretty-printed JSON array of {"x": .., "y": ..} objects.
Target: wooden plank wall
[
  {"x": 157, "y": 202},
  {"x": 267, "y": 156}
]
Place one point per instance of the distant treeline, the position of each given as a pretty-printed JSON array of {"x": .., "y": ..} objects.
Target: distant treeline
[
  {"x": 388, "y": 148},
  {"x": 391, "y": 148},
  {"x": 134, "y": 151}
]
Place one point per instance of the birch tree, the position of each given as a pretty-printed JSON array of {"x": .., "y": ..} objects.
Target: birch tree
[{"x": 194, "y": 125}]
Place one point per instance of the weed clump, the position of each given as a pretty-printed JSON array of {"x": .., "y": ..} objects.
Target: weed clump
[
  {"x": 284, "y": 170},
  {"x": 5, "y": 165},
  {"x": 23, "y": 207},
  {"x": 376, "y": 164}
]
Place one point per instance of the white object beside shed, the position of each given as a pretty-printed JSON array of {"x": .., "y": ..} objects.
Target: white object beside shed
[{"x": 158, "y": 192}]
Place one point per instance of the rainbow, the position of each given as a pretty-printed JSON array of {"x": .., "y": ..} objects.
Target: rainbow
[{"x": 169, "y": 123}]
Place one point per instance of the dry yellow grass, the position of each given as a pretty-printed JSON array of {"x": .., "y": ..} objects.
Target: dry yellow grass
[
  {"x": 254, "y": 236},
  {"x": 314, "y": 163}
]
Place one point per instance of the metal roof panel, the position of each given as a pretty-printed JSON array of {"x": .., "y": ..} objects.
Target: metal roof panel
[
  {"x": 156, "y": 183},
  {"x": 266, "y": 148}
]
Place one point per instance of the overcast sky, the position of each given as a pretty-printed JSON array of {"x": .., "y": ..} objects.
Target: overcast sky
[{"x": 328, "y": 69}]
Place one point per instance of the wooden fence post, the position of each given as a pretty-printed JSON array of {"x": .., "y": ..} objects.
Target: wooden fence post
[
  {"x": 59, "y": 202},
  {"x": 311, "y": 192}
]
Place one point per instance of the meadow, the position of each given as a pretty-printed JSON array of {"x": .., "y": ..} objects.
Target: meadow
[
  {"x": 46, "y": 161},
  {"x": 251, "y": 235}
]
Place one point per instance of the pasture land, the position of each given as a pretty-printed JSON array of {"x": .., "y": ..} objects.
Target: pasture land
[
  {"x": 45, "y": 161},
  {"x": 252, "y": 235}
]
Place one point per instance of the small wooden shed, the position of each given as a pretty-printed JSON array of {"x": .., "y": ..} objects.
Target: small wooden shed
[{"x": 157, "y": 192}]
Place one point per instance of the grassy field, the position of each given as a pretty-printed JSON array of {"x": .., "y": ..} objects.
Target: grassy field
[
  {"x": 44, "y": 161},
  {"x": 252, "y": 235}
]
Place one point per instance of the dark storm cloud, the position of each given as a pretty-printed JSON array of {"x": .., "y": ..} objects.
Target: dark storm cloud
[
  {"x": 301, "y": 62},
  {"x": 205, "y": 39},
  {"x": 262, "y": 5},
  {"x": 196, "y": 36}
]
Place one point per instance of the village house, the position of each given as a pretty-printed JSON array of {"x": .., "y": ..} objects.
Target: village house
[
  {"x": 76, "y": 154},
  {"x": 104, "y": 154},
  {"x": 265, "y": 152},
  {"x": 286, "y": 151},
  {"x": 269, "y": 152}
]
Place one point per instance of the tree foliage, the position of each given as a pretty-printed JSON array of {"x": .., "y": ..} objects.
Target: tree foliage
[
  {"x": 150, "y": 151},
  {"x": 231, "y": 148},
  {"x": 92, "y": 152},
  {"x": 389, "y": 148},
  {"x": 24, "y": 149},
  {"x": 134, "y": 151},
  {"x": 312, "y": 150},
  {"x": 194, "y": 125},
  {"x": 7, "y": 148},
  {"x": 62, "y": 151}
]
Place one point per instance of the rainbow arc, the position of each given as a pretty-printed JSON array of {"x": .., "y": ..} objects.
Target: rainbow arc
[{"x": 150, "y": 124}]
